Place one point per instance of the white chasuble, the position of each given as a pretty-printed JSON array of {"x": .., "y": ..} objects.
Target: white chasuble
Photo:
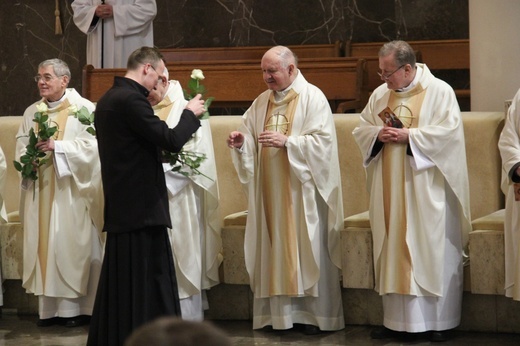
[
  {"x": 295, "y": 209},
  {"x": 62, "y": 213},
  {"x": 509, "y": 145},
  {"x": 419, "y": 204},
  {"x": 3, "y": 174},
  {"x": 194, "y": 211}
]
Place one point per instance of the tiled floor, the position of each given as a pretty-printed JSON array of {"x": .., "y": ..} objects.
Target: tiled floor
[{"x": 22, "y": 331}]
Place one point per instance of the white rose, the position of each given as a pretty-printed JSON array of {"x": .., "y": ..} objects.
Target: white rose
[
  {"x": 73, "y": 109},
  {"x": 197, "y": 74},
  {"x": 42, "y": 108}
]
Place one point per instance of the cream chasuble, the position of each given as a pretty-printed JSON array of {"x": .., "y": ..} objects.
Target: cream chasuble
[
  {"x": 509, "y": 145},
  {"x": 194, "y": 210},
  {"x": 61, "y": 214},
  {"x": 295, "y": 209},
  {"x": 410, "y": 207}
]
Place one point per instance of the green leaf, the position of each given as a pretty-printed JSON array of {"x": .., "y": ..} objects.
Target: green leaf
[{"x": 18, "y": 166}]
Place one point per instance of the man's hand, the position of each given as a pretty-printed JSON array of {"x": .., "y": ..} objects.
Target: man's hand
[
  {"x": 196, "y": 105},
  {"x": 104, "y": 11},
  {"x": 45, "y": 146},
  {"x": 393, "y": 135},
  {"x": 272, "y": 139},
  {"x": 235, "y": 140}
]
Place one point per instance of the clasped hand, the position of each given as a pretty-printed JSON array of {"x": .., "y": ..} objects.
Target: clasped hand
[
  {"x": 104, "y": 11},
  {"x": 393, "y": 135}
]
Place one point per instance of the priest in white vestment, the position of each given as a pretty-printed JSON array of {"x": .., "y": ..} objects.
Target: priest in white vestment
[
  {"x": 509, "y": 145},
  {"x": 3, "y": 214},
  {"x": 114, "y": 28},
  {"x": 286, "y": 157},
  {"x": 194, "y": 208},
  {"x": 3, "y": 174},
  {"x": 419, "y": 195},
  {"x": 61, "y": 211}
]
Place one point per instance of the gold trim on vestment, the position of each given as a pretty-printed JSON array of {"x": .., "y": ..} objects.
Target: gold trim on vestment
[
  {"x": 277, "y": 200},
  {"x": 163, "y": 108},
  {"x": 46, "y": 186},
  {"x": 396, "y": 263}
]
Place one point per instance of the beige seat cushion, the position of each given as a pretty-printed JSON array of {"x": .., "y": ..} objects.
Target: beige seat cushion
[
  {"x": 360, "y": 220},
  {"x": 236, "y": 219},
  {"x": 490, "y": 222}
]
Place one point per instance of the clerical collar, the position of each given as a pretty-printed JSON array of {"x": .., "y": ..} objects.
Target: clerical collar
[
  {"x": 280, "y": 95},
  {"x": 53, "y": 104},
  {"x": 418, "y": 73}
]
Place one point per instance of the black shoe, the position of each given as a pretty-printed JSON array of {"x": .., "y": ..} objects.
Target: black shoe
[
  {"x": 311, "y": 330},
  {"x": 47, "y": 322},
  {"x": 77, "y": 321},
  {"x": 439, "y": 336},
  {"x": 382, "y": 333}
]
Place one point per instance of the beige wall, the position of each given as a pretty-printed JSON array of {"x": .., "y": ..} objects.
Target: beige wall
[{"x": 494, "y": 33}]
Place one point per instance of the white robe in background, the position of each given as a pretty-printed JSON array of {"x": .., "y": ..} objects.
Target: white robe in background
[
  {"x": 435, "y": 208},
  {"x": 509, "y": 145},
  {"x": 315, "y": 188},
  {"x": 74, "y": 246},
  {"x": 3, "y": 214},
  {"x": 131, "y": 27},
  {"x": 3, "y": 174},
  {"x": 194, "y": 212}
]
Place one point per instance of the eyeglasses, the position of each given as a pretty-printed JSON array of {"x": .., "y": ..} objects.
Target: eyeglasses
[
  {"x": 160, "y": 79},
  {"x": 46, "y": 78},
  {"x": 387, "y": 76}
]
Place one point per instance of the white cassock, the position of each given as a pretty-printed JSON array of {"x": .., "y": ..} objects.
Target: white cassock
[
  {"x": 295, "y": 209},
  {"x": 509, "y": 145},
  {"x": 194, "y": 212},
  {"x": 3, "y": 214},
  {"x": 131, "y": 27},
  {"x": 61, "y": 212},
  {"x": 419, "y": 205}
]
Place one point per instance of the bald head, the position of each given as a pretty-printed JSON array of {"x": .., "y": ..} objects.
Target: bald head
[{"x": 279, "y": 68}]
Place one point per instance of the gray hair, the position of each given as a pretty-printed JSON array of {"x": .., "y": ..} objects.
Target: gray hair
[
  {"x": 60, "y": 67},
  {"x": 403, "y": 52},
  {"x": 286, "y": 56}
]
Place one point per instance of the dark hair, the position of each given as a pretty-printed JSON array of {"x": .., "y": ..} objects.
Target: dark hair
[
  {"x": 403, "y": 52},
  {"x": 173, "y": 331},
  {"x": 144, "y": 55}
]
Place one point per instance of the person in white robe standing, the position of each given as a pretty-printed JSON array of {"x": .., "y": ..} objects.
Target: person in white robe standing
[
  {"x": 509, "y": 146},
  {"x": 287, "y": 159},
  {"x": 114, "y": 28},
  {"x": 3, "y": 214},
  {"x": 419, "y": 196},
  {"x": 194, "y": 207},
  {"x": 61, "y": 211}
]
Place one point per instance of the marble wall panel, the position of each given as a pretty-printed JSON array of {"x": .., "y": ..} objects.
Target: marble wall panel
[{"x": 28, "y": 30}]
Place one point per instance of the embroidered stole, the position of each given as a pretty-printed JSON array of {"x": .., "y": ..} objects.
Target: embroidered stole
[
  {"x": 277, "y": 200},
  {"x": 396, "y": 266},
  {"x": 163, "y": 108},
  {"x": 46, "y": 185}
]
